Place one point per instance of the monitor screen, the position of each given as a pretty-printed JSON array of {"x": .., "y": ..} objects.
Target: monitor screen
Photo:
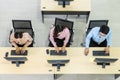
[
  {"x": 24, "y": 24},
  {"x": 58, "y": 63},
  {"x": 16, "y": 58},
  {"x": 105, "y": 60},
  {"x": 62, "y": 22}
]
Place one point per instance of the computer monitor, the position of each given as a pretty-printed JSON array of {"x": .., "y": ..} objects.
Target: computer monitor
[
  {"x": 58, "y": 63},
  {"x": 104, "y": 61},
  {"x": 62, "y": 22},
  {"x": 63, "y": 2},
  {"x": 15, "y": 60}
]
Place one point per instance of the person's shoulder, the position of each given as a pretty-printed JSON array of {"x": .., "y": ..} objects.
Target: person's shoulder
[
  {"x": 26, "y": 34},
  {"x": 12, "y": 33},
  {"x": 66, "y": 29},
  {"x": 52, "y": 29},
  {"x": 110, "y": 31},
  {"x": 95, "y": 28}
]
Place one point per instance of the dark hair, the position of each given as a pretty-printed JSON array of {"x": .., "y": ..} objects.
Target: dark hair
[
  {"x": 58, "y": 29},
  {"x": 104, "y": 29},
  {"x": 18, "y": 35}
]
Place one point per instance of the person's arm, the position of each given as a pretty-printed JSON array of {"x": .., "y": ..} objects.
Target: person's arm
[
  {"x": 109, "y": 38},
  {"x": 67, "y": 37},
  {"x": 108, "y": 42},
  {"x": 51, "y": 37},
  {"x": 28, "y": 42},
  {"x": 12, "y": 40},
  {"x": 52, "y": 40},
  {"x": 88, "y": 38}
]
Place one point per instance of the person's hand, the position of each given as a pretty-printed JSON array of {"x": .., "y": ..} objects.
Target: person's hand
[
  {"x": 17, "y": 50},
  {"x": 22, "y": 50},
  {"x": 86, "y": 51},
  {"x": 63, "y": 49},
  {"x": 57, "y": 49},
  {"x": 107, "y": 50}
]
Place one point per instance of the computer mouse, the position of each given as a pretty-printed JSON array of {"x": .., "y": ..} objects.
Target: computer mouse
[
  {"x": 47, "y": 51},
  {"x": 6, "y": 54}
]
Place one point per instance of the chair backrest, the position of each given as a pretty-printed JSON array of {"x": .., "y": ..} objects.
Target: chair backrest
[
  {"x": 63, "y": 22},
  {"x": 23, "y": 26},
  {"x": 67, "y": 23},
  {"x": 96, "y": 23}
]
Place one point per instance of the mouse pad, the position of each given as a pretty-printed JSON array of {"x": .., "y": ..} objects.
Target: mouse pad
[
  {"x": 53, "y": 52},
  {"x": 100, "y": 53},
  {"x": 13, "y": 52}
]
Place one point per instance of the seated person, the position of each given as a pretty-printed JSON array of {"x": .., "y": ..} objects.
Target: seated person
[
  {"x": 98, "y": 37},
  {"x": 59, "y": 37},
  {"x": 20, "y": 39}
]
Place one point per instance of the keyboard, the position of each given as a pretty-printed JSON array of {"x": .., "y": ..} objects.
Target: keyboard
[
  {"x": 13, "y": 52},
  {"x": 100, "y": 53},
  {"x": 61, "y": 53}
]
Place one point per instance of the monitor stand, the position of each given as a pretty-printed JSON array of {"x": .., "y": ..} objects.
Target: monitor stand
[
  {"x": 103, "y": 64},
  {"x": 63, "y": 3},
  {"x": 58, "y": 66},
  {"x": 18, "y": 63}
]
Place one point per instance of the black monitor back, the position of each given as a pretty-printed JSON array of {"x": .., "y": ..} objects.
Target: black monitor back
[
  {"x": 58, "y": 61},
  {"x": 105, "y": 60}
]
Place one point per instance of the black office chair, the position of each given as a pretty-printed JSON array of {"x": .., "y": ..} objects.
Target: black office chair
[
  {"x": 69, "y": 24},
  {"x": 92, "y": 24},
  {"x": 23, "y": 26}
]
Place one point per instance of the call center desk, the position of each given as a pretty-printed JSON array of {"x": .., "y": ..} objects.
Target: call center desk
[
  {"x": 76, "y": 7},
  {"x": 79, "y": 63},
  {"x": 36, "y": 63}
]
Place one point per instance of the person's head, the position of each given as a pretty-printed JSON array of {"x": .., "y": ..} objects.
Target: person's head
[
  {"x": 104, "y": 30},
  {"x": 58, "y": 29},
  {"x": 18, "y": 35}
]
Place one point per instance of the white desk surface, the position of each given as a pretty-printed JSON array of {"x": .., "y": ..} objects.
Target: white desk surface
[
  {"x": 75, "y": 5},
  {"x": 36, "y": 63},
  {"x": 79, "y": 63}
]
